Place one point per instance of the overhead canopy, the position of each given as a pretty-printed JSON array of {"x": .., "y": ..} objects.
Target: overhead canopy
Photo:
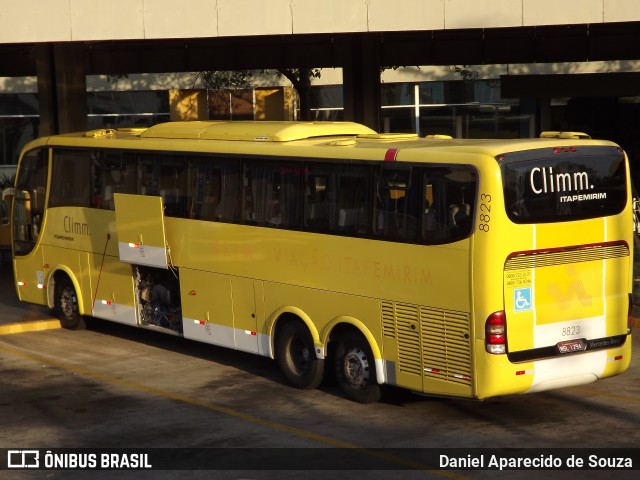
[{"x": 566, "y": 43}]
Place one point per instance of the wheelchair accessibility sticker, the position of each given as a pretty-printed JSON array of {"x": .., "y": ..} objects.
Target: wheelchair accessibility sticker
[{"x": 522, "y": 299}]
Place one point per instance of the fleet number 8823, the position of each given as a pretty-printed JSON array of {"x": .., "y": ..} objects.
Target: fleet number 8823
[{"x": 484, "y": 212}]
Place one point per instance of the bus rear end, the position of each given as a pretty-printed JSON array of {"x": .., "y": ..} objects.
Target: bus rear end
[{"x": 566, "y": 270}]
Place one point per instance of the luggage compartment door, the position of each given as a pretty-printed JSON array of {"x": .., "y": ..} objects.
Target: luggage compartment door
[{"x": 141, "y": 232}]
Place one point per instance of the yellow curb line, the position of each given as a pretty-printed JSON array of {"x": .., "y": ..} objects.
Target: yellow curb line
[{"x": 29, "y": 326}]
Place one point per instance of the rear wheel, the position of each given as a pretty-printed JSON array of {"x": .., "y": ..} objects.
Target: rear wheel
[
  {"x": 355, "y": 368},
  {"x": 66, "y": 305},
  {"x": 296, "y": 356}
]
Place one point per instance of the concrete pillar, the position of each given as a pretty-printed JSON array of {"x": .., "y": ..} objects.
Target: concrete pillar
[
  {"x": 540, "y": 109},
  {"x": 361, "y": 82},
  {"x": 545, "y": 113},
  {"x": 62, "y": 87},
  {"x": 529, "y": 106}
]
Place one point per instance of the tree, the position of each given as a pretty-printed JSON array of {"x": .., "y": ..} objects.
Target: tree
[
  {"x": 465, "y": 72},
  {"x": 116, "y": 77},
  {"x": 300, "y": 78},
  {"x": 219, "y": 82}
]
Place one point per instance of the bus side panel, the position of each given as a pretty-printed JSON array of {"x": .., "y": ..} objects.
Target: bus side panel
[
  {"x": 29, "y": 276},
  {"x": 244, "y": 314},
  {"x": 207, "y": 313},
  {"x": 322, "y": 308},
  {"x": 430, "y": 348},
  {"x": 56, "y": 258},
  {"x": 113, "y": 295},
  {"x": 425, "y": 349}
]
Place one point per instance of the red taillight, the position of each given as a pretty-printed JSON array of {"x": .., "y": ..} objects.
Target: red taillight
[
  {"x": 495, "y": 333},
  {"x": 564, "y": 149}
]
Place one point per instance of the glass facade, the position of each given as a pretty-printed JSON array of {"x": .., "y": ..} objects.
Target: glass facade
[
  {"x": 127, "y": 109},
  {"x": 18, "y": 124},
  {"x": 327, "y": 103},
  {"x": 461, "y": 109},
  {"x": 19, "y": 116}
]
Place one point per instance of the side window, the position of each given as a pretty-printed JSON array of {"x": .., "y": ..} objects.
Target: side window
[
  {"x": 318, "y": 208},
  {"x": 214, "y": 189},
  {"x": 337, "y": 198},
  {"x": 272, "y": 194},
  {"x": 449, "y": 195},
  {"x": 113, "y": 172},
  {"x": 71, "y": 178},
  {"x": 164, "y": 176},
  {"x": 397, "y": 203}
]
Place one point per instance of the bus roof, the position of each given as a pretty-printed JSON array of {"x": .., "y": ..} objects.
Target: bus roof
[{"x": 336, "y": 138}]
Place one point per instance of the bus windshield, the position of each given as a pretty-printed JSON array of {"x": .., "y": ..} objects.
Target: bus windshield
[
  {"x": 552, "y": 185},
  {"x": 28, "y": 201}
]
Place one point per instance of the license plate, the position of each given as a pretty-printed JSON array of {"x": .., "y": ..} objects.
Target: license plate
[{"x": 570, "y": 346}]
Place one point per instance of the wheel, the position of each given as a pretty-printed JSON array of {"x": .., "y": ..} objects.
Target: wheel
[
  {"x": 296, "y": 356},
  {"x": 355, "y": 368},
  {"x": 66, "y": 305}
]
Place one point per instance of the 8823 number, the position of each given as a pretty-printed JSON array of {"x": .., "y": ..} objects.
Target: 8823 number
[{"x": 484, "y": 212}]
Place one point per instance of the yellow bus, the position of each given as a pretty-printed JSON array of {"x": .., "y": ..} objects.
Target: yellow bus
[{"x": 463, "y": 268}]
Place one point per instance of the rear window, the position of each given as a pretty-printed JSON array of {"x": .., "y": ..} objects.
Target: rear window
[{"x": 565, "y": 184}]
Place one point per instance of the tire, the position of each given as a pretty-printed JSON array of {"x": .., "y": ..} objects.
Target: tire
[
  {"x": 355, "y": 368},
  {"x": 66, "y": 305},
  {"x": 296, "y": 356}
]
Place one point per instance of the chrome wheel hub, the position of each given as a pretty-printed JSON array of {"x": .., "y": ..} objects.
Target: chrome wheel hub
[{"x": 356, "y": 368}]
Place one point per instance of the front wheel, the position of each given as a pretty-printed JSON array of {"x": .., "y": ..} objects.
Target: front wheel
[
  {"x": 296, "y": 356},
  {"x": 355, "y": 368},
  {"x": 66, "y": 305}
]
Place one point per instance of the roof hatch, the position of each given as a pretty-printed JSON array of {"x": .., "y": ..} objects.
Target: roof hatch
[{"x": 254, "y": 131}]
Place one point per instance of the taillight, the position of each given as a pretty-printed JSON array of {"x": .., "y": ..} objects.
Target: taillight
[
  {"x": 495, "y": 333},
  {"x": 564, "y": 149}
]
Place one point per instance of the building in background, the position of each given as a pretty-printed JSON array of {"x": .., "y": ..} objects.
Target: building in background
[{"x": 423, "y": 100}]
